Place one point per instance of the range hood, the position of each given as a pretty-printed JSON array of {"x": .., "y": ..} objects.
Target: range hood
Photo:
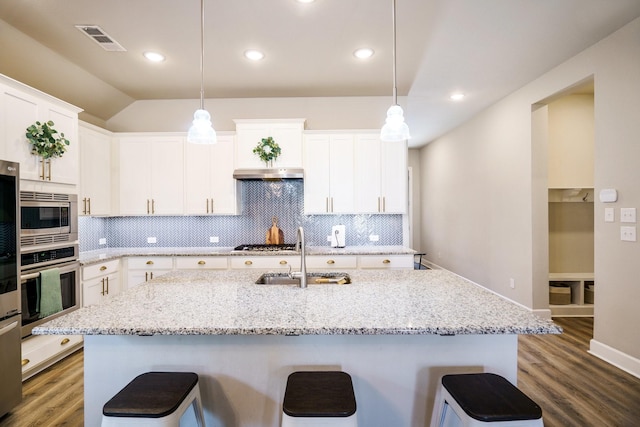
[{"x": 271, "y": 174}]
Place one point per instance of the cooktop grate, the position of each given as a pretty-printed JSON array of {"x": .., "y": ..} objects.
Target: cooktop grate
[{"x": 266, "y": 248}]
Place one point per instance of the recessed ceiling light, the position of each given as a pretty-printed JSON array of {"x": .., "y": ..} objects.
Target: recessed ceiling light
[
  {"x": 363, "y": 53},
  {"x": 457, "y": 96},
  {"x": 154, "y": 56},
  {"x": 254, "y": 55}
]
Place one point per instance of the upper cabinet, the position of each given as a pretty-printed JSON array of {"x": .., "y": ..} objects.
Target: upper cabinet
[
  {"x": 209, "y": 184},
  {"x": 381, "y": 176},
  {"x": 286, "y": 133},
  {"x": 151, "y": 176},
  {"x": 94, "y": 190},
  {"x": 571, "y": 141},
  {"x": 20, "y": 107},
  {"x": 328, "y": 173}
]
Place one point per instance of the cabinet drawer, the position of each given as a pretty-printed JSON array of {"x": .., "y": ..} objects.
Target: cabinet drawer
[
  {"x": 332, "y": 262},
  {"x": 201, "y": 263},
  {"x": 265, "y": 262},
  {"x": 386, "y": 261},
  {"x": 150, "y": 263},
  {"x": 41, "y": 350},
  {"x": 100, "y": 269}
]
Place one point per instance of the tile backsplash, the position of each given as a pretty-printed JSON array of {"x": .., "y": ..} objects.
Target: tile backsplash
[{"x": 261, "y": 201}]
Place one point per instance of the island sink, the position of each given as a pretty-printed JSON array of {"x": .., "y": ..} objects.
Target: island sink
[{"x": 312, "y": 279}]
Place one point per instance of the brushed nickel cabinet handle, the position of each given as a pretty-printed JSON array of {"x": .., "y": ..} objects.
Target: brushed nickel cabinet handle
[
  {"x": 386, "y": 261},
  {"x": 103, "y": 268},
  {"x": 25, "y": 362},
  {"x": 201, "y": 262},
  {"x": 65, "y": 341},
  {"x": 330, "y": 262},
  {"x": 283, "y": 262},
  {"x": 248, "y": 262},
  {"x": 149, "y": 262}
]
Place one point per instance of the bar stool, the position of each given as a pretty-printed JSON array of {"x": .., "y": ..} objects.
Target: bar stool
[
  {"x": 481, "y": 400},
  {"x": 155, "y": 399},
  {"x": 319, "y": 398}
]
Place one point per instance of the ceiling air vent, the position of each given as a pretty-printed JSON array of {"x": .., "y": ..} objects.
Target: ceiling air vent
[{"x": 96, "y": 34}]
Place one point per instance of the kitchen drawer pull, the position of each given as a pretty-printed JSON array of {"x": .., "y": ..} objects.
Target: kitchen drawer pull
[
  {"x": 103, "y": 268},
  {"x": 25, "y": 362},
  {"x": 331, "y": 261},
  {"x": 149, "y": 262},
  {"x": 283, "y": 262},
  {"x": 65, "y": 341},
  {"x": 248, "y": 262},
  {"x": 386, "y": 261},
  {"x": 201, "y": 262}
]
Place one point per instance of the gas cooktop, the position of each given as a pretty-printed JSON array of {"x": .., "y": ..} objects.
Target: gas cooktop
[{"x": 266, "y": 248}]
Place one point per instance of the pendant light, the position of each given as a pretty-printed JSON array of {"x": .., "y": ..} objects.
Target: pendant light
[
  {"x": 394, "y": 129},
  {"x": 201, "y": 131}
]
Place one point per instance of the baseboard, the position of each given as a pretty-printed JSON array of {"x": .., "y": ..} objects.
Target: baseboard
[
  {"x": 544, "y": 313},
  {"x": 615, "y": 357}
]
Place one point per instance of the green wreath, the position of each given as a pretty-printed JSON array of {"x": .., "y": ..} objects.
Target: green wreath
[
  {"x": 267, "y": 149},
  {"x": 44, "y": 140}
]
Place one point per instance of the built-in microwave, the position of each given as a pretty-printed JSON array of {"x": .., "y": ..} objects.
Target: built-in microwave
[{"x": 47, "y": 218}]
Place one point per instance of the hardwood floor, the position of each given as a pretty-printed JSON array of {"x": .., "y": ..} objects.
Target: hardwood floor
[{"x": 573, "y": 387}]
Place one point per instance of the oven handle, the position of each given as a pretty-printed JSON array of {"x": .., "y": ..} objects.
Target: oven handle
[{"x": 64, "y": 268}]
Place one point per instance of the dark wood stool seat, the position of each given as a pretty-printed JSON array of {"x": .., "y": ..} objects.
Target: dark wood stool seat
[{"x": 319, "y": 394}]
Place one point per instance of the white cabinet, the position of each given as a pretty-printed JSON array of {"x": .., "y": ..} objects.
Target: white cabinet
[
  {"x": 42, "y": 351},
  {"x": 386, "y": 261},
  {"x": 94, "y": 196},
  {"x": 329, "y": 175},
  {"x": 143, "y": 269},
  {"x": 209, "y": 184},
  {"x": 20, "y": 107},
  {"x": 99, "y": 281},
  {"x": 286, "y": 133},
  {"x": 151, "y": 175},
  {"x": 265, "y": 262},
  {"x": 332, "y": 262},
  {"x": 380, "y": 175},
  {"x": 201, "y": 263}
]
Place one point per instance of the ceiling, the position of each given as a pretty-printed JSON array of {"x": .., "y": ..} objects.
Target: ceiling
[{"x": 484, "y": 48}]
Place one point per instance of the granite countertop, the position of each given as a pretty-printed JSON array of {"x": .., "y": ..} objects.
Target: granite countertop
[
  {"x": 378, "y": 302},
  {"x": 101, "y": 255}
]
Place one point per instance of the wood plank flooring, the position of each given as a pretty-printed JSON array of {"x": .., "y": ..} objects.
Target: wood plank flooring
[{"x": 573, "y": 387}]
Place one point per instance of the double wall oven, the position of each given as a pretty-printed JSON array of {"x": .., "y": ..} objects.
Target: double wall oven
[{"x": 49, "y": 251}]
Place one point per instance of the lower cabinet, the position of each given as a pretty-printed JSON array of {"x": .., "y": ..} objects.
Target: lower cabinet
[
  {"x": 201, "y": 263},
  {"x": 143, "y": 269},
  {"x": 386, "y": 261},
  {"x": 99, "y": 281},
  {"x": 265, "y": 262},
  {"x": 571, "y": 294},
  {"x": 336, "y": 262},
  {"x": 42, "y": 351}
]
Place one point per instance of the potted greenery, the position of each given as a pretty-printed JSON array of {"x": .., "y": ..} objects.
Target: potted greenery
[
  {"x": 268, "y": 151},
  {"x": 45, "y": 141}
]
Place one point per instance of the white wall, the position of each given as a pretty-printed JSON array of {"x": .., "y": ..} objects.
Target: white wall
[{"x": 482, "y": 192}]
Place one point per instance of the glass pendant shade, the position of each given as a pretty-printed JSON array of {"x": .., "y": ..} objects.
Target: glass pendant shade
[
  {"x": 201, "y": 131},
  {"x": 395, "y": 129}
]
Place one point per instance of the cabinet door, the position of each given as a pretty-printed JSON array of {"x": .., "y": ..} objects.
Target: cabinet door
[
  {"x": 394, "y": 179},
  {"x": 316, "y": 174},
  {"x": 167, "y": 176},
  {"x": 223, "y": 185},
  {"x": 135, "y": 176},
  {"x": 341, "y": 173},
  {"x": 368, "y": 174},
  {"x": 92, "y": 291},
  {"x": 65, "y": 169},
  {"x": 289, "y": 137},
  {"x": 95, "y": 172},
  {"x": 287, "y": 134}
]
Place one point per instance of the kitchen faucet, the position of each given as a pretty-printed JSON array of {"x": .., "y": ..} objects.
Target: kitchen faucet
[{"x": 302, "y": 274}]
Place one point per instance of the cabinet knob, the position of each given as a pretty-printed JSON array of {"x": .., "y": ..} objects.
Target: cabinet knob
[
  {"x": 330, "y": 262},
  {"x": 248, "y": 262},
  {"x": 201, "y": 262},
  {"x": 65, "y": 341},
  {"x": 283, "y": 262},
  {"x": 25, "y": 362},
  {"x": 149, "y": 262},
  {"x": 386, "y": 261},
  {"x": 103, "y": 268}
]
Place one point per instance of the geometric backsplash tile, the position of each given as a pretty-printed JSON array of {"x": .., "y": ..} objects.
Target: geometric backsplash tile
[{"x": 261, "y": 200}]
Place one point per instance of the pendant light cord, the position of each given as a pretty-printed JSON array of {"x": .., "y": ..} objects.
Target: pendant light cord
[
  {"x": 393, "y": 15},
  {"x": 202, "y": 54}
]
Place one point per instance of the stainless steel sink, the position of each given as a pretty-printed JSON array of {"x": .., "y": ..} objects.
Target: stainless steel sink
[{"x": 312, "y": 279}]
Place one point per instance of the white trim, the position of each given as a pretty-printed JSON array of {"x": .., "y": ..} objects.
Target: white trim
[{"x": 615, "y": 357}]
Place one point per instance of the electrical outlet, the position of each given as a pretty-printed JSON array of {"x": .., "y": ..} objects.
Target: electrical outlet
[
  {"x": 152, "y": 240},
  {"x": 628, "y": 233},
  {"x": 214, "y": 239},
  {"x": 374, "y": 238},
  {"x": 102, "y": 241},
  {"x": 628, "y": 215},
  {"x": 328, "y": 238},
  {"x": 512, "y": 283}
]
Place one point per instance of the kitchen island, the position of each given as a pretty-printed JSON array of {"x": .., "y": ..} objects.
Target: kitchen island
[{"x": 395, "y": 332}]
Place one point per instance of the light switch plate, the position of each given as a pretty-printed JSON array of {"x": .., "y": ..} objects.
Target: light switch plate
[
  {"x": 609, "y": 215},
  {"x": 374, "y": 238},
  {"x": 628, "y": 233},
  {"x": 628, "y": 215},
  {"x": 102, "y": 241}
]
